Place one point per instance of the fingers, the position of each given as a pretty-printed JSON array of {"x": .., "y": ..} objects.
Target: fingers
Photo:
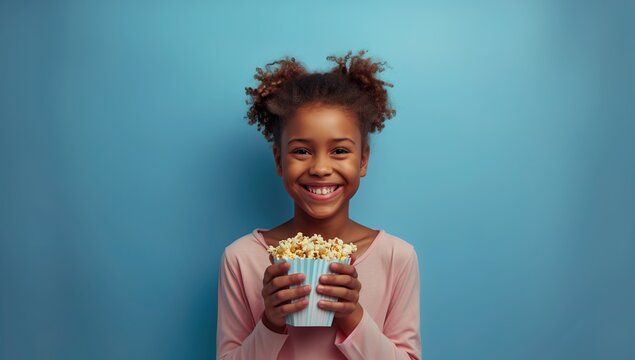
[
  {"x": 282, "y": 281},
  {"x": 342, "y": 285},
  {"x": 344, "y": 269},
  {"x": 286, "y": 295},
  {"x": 339, "y": 292},
  {"x": 278, "y": 313},
  {"x": 282, "y": 299},
  {"x": 287, "y": 309},
  {"x": 338, "y": 307},
  {"x": 275, "y": 270},
  {"x": 347, "y": 281}
]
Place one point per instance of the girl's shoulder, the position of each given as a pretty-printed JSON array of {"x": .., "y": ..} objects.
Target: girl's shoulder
[
  {"x": 250, "y": 244},
  {"x": 392, "y": 246}
]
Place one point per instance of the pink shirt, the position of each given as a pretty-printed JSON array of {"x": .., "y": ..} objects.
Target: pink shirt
[{"x": 389, "y": 329}]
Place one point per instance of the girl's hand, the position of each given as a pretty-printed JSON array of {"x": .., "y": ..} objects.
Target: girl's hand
[
  {"x": 345, "y": 286},
  {"x": 277, "y": 295}
]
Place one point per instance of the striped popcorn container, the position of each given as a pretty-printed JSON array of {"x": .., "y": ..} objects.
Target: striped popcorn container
[{"x": 311, "y": 315}]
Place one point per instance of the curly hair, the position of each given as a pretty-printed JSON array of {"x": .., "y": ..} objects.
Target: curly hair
[{"x": 285, "y": 86}]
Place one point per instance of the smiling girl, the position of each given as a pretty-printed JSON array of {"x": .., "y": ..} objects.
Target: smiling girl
[{"x": 319, "y": 124}]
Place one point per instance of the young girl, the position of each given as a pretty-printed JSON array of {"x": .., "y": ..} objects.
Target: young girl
[{"x": 319, "y": 124}]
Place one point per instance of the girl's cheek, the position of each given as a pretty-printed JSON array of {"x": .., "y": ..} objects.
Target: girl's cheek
[
  {"x": 293, "y": 168},
  {"x": 351, "y": 168}
]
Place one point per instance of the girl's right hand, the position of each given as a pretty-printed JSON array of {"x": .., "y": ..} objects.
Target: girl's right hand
[{"x": 277, "y": 295}]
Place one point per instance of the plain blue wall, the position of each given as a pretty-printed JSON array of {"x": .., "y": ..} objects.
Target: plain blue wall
[{"x": 127, "y": 167}]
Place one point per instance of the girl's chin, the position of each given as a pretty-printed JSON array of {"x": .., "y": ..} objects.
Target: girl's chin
[{"x": 321, "y": 212}]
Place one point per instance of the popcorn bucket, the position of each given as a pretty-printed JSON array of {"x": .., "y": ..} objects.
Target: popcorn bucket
[{"x": 311, "y": 315}]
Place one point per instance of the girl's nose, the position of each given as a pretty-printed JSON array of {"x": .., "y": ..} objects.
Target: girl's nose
[{"x": 321, "y": 166}]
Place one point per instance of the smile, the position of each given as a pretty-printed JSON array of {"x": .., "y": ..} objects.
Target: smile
[{"x": 322, "y": 193}]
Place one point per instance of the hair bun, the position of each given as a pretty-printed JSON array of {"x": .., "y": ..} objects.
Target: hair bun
[
  {"x": 363, "y": 72},
  {"x": 271, "y": 79}
]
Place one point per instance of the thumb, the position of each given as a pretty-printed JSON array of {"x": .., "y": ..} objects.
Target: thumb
[
  {"x": 271, "y": 258},
  {"x": 353, "y": 258}
]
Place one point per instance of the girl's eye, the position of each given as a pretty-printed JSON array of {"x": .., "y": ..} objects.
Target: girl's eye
[
  {"x": 340, "y": 151},
  {"x": 301, "y": 151}
]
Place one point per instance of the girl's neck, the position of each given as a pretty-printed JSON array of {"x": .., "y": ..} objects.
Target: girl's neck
[{"x": 334, "y": 226}]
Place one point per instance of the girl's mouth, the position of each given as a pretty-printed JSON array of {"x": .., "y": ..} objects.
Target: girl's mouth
[{"x": 322, "y": 193}]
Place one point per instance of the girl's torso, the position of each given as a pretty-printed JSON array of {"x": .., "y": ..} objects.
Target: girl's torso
[{"x": 318, "y": 342}]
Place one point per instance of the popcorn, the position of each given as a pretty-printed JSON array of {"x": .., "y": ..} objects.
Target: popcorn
[{"x": 314, "y": 247}]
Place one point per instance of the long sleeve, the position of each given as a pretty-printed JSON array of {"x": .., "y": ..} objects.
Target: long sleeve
[
  {"x": 400, "y": 338},
  {"x": 237, "y": 337}
]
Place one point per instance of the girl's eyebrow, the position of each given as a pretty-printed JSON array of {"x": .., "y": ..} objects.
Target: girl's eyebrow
[{"x": 333, "y": 140}]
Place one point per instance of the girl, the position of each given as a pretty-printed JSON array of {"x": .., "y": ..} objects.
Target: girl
[{"x": 319, "y": 124}]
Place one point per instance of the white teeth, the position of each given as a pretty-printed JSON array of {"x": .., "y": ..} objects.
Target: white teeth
[{"x": 322, "y": 191}]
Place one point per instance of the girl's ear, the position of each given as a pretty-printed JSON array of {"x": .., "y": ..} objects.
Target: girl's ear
[
  {"x": 365, "y": 156},
  {"x": 276, "y": 158}
]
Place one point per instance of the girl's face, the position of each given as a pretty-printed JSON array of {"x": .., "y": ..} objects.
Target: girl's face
[{"x": 321, "y": 159}]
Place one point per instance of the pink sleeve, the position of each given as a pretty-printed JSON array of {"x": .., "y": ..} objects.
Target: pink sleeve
[
  {"x": 400, "y": 338},
  {"x": 236, "y": 335}
]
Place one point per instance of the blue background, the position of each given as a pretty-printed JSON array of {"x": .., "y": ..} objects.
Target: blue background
[{"x": 127, "y": 167}]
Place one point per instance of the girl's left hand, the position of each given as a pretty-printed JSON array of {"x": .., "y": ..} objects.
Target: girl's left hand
[{"x": 345, "y": 286}]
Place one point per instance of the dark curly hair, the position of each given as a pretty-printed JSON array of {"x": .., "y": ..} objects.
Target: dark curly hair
[{"x": 285, "y": 85}]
